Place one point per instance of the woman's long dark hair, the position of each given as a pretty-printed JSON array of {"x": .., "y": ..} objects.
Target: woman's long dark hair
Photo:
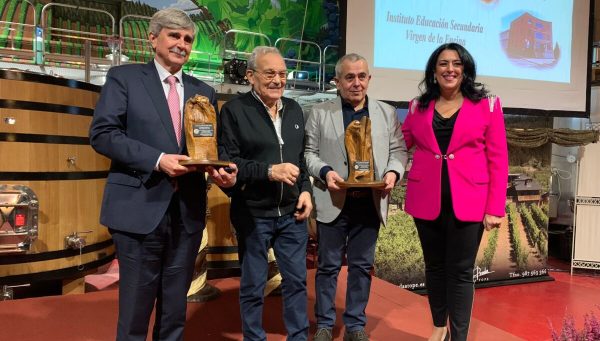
[{"x": 470, "y": 89}]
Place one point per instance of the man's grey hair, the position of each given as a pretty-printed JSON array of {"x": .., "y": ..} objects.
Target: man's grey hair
[
  {"x": 350, "y": 57},
  {"x": 261, "y": 51},
  {"x": 171, "y": 18}
]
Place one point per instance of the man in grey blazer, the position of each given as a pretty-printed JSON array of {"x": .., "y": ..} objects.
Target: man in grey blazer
[{"x": 348, "y": 220}]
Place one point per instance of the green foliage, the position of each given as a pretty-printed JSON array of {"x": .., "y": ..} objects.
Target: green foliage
[
  {"x": 398, "y": 194},
  {"x": 2, "y": 4},
  {"x": 398, "y": 256},
  {"x": 529, "y": 223},
  {"x": 3, "y": 31},
  {"x": 519, "y": 253},
  {"x": 138, "y": 8},
  {"x": 18, "y": 44},
  {"x": 67, "y": 43},
  {"x": 490, "y": 250},
  {"x": 38, "y": 11},
  {"x": 138, "y": 29},
  {"x": 77, "y": 44},
  {"x": 540, "y": 216},
  {"x": 288, "y": 21},
  {"x": 208, "y": 38},
  {"x": 10, "y": 12},
  {"x": 100, "y": 48},
  {"x": 135, "y": 29},
  {"x": 536, "y": 236},
  {"x": 545, "y": 208},
  {"x": 305, "y": 20},
  {"x": 48, "y": 35},
  {"x": 91, "y": 18}
]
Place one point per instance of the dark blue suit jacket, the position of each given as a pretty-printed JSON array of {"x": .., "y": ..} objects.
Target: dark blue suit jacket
[{"x": 132, "y": 126}]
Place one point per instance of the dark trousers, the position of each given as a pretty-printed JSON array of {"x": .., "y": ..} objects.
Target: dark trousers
[
  {"x": 449, "y": 249},
  {"x": 288, "y": 237},
  {"x": 155, "y": 268},
  {"x": 354, "y": 233}
]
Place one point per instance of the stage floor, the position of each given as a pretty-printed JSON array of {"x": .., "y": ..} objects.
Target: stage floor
[{"x": 393, "y": 314}]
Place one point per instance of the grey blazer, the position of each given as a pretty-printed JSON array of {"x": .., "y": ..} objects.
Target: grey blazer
[{"x": 325, "y": 147}]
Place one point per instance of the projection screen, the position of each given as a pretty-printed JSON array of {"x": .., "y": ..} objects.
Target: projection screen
[{"x": 534, "y": 54}]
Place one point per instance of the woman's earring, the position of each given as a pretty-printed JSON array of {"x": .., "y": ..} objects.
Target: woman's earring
[{"x": 434, "y": 80}]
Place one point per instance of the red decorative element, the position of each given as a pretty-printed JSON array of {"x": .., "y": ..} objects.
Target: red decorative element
[{"x": 19, "y": 220}]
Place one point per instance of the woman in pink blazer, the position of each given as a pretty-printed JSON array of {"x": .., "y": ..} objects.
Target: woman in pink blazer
[{"x": 457, "y": 182}]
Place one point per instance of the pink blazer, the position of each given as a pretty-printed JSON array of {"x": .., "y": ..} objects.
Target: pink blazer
[{"x": 477, "y": 160}]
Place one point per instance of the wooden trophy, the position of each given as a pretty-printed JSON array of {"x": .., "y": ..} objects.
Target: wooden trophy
[
  {"x": 200, "y": 122},
  {"x": 359, "y": 148}
]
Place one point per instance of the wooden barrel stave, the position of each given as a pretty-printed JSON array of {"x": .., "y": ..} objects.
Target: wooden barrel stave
[
  {"x": 42, "y": 92},
  {"x": 44, "y": 157},
  {"x": 47, "y": 123},
  {"x": 47, "y": 150}
]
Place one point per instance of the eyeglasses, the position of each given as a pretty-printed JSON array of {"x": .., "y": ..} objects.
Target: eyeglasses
[{"x": 270, "y": 74}]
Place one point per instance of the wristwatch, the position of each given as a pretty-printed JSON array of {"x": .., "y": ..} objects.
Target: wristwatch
[{"x": 270, "y": 172}]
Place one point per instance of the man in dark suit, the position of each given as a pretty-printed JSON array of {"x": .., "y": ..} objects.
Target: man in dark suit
[{"x": 154, "y": 207}]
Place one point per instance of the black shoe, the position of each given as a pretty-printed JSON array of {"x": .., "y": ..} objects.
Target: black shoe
[
  {"x": 323, "y": 334},
  {"x": 357, "y": 335}
]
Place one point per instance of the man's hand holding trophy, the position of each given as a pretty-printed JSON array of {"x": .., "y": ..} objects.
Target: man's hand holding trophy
[{"x": 200, "y": 122}]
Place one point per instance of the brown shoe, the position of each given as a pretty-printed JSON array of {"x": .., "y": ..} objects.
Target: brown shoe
[{"x": 357, "y": 335}]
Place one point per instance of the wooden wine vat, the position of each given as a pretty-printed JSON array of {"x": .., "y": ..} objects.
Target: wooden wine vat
[{"x": 44, "y": 145}]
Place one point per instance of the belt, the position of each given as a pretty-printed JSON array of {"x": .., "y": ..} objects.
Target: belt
[{"x": 358, "y": 193}]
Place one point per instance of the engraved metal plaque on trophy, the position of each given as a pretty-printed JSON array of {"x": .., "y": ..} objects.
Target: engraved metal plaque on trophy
[
  {"x": 359, "y": 148},
  {"x": 200, "y": 122}
]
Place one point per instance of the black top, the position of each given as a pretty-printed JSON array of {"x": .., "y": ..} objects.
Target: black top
[
  {"x": 247, "y": 137},
  {"x": 442, "y": 129},
  {"x": 351, "y": 115}
]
